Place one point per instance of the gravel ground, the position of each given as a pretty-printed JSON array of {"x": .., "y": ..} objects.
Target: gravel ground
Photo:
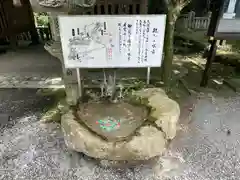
[{"x": 207, "y": 150}]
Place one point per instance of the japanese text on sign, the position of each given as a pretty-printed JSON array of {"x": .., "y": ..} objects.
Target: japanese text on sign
[{"x": 116, "y": 41}]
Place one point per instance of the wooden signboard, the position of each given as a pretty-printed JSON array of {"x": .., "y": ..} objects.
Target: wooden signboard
[{"x": 112, "y": 41}]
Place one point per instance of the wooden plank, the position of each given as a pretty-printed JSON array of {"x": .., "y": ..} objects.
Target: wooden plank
[
  {"x": 98, "y": 8},
  {"x": 126, "y": 9},
  {"x": 143, "y": 7},
  {"x": 95, "y": 9},
  {"x": 106, "y": 7},
  {"x": 4, "y": 10},
  {"x": 111, "y": 8},
  {"x": 210, "y": 59},
  {"x": 134, "y": 8},
  {"x": 120, "y": 9},
  {"x": 115, "y": 8},
  {"x": 138, "y": 9}
]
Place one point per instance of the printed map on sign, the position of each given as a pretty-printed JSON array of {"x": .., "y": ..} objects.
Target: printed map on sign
[{"x": 112, "y": 41}]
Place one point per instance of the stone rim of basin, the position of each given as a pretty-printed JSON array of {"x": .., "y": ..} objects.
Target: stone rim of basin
[
  {"x": 101, "y": 118},
  {"x": 150, "y": 139}
]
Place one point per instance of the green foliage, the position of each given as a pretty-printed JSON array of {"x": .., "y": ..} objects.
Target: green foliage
[{"x": 42, "y": 19}]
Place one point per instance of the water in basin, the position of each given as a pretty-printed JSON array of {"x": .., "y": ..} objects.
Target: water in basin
[{"x": 112, "y": 121}]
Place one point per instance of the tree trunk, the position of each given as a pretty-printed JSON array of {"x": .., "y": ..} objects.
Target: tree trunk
[{"x": 168, "y": 47}]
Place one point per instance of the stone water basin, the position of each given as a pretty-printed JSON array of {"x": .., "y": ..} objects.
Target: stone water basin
[
  {"x": 138, "y": 129},
  {"x": 112, "y": 121}
]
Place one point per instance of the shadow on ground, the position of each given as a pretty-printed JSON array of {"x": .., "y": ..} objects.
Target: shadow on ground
[
  {"x": 19, "y": 102},
  {"x": 29, "y": 60}
]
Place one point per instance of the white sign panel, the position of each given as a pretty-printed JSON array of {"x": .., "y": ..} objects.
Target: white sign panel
[
  {"x": 230, "y": 20},
  {"x": 112, "y": 41}
]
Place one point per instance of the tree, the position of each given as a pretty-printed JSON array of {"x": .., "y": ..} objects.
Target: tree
[{"x": 173, "y": 9}]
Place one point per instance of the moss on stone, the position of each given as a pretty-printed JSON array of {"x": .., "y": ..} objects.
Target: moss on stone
[
  {"x": 151, "y": 118},
  {"x": 59, "y": 106},
  {"x": 63, "y": 106},
  {"x": 52, "y": 115},
  {"x": 56, "y": 92},
  {"x": 138, "y": 100}
]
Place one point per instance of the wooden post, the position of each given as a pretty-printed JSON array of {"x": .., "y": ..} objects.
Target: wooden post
[
  {"x": 191, "y": 16},
  {"x": 41, "y": 33},
  {"x": 222, "y": 42},
  {"x": 209, "y": 19},
  {"x": 69, "y": 75},
  {"x": 54, "y": 26},
  {"x": 143, "y": 7},
  {"x": 33, "y": 31},
  {"x": 13, "y": 42},
  {"x": 210, "y": 59}
]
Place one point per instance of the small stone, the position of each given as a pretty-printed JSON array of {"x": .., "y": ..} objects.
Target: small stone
[{"x": 228, "y": 132}]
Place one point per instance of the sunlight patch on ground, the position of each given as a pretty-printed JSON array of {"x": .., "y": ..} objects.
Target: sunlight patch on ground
[{"x": 16, "y": 81}]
